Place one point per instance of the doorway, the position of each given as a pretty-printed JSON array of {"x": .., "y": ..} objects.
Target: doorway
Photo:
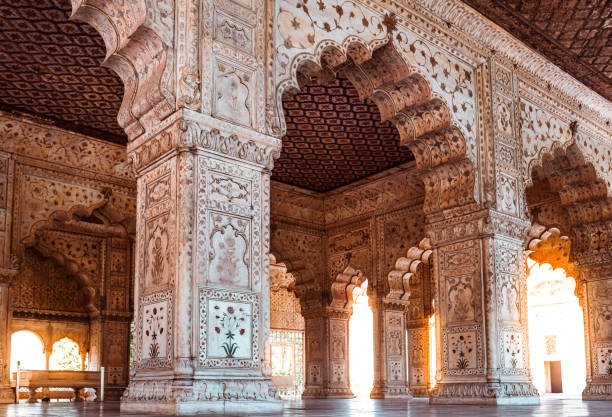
[{"x": 554, "y": 380}]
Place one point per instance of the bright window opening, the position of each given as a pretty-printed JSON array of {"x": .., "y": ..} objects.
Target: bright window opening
[
  {"x": 28, "y": 349},
  {"x": 556, "y": 331},
  {"x": 65, "y": 356},
  {"x": 361, "y": 344},
  {"x": 432, "y": 351},
  {"x": 287, "y": 361}
]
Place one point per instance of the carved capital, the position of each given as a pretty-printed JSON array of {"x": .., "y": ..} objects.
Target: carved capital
[
  {"x": 233, "y": 145},
  {"x": 193, "y": 131}
]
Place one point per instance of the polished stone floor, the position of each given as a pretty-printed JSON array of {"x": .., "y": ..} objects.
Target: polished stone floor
[{"x": 550, "y": 406}]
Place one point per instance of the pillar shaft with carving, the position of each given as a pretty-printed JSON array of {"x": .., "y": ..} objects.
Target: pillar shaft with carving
[
  {"x": 481, "y": 316},
  {"x": 201, "y": 269},
  {"x": 327, "y": 359},
  {"x": 7, "y": 394},
  {"x": 595, "y": 294},
  {"x": 389, "y": 351}
]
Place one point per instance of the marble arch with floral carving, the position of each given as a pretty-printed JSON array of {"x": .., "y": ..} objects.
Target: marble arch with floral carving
[{"x": 424, "y": 120}]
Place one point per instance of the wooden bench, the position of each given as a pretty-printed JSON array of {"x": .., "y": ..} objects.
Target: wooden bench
[{"x": 76, "y": 380}]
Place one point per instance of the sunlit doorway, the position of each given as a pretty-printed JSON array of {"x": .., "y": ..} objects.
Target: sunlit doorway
[
  {"x": 556, "y": 332},
  {"x": 361, "y": 344},
  {"x": 28, "y": 350}
]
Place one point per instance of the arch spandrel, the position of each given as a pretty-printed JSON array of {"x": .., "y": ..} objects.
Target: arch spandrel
[{"x": 423, "y": 120}]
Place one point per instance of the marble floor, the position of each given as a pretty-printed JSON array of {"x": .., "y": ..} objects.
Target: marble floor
[{"x": 550, "y": 406}]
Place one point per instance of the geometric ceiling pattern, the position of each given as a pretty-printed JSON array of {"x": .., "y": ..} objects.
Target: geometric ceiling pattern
[
  {"x": 50, "y": 68},
  {"x": 334, "y": 138},
  {"x": 575, "y": 35}
]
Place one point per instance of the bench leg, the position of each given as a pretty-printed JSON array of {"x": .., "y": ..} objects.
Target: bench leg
[
  {"x": 32, "y": 395},
  {"x": 77, "y": 395}
]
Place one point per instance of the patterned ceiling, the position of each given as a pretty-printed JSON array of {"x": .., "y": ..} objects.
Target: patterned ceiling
[
  {"x": 574, "y": 34},
  {"x": 334, "y": 138},
  {"x": 50, "y": 67}
]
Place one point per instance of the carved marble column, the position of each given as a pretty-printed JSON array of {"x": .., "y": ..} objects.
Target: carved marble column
[
  {"x": 389, "y": 350},
  {"x": 7, "y": 394},
  {"x": 327, "y": 360},
  {"x": 595, "y": 293},
  {"x": 202, "y": 290},
  {"x": 481, "y": 310}
]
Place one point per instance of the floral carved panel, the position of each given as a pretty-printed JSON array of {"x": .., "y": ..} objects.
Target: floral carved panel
[
  {"x": 462, "y": 352},
  {"x": 157, "y": 254},
  {"x": 155, "y": 336},
  {"x": 229, "y": 329},
  {"x": 233, "y": 92}
]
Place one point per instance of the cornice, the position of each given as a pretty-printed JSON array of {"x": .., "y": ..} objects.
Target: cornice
[{"x": 498, "y": 41}]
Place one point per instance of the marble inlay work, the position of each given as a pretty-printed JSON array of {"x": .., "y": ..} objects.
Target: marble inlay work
[{"x": 509, "y": 154}]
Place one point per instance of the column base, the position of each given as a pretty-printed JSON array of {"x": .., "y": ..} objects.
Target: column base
[
  {"x": 484, "y": 393},
  {"x": 419, "y": 392},
  {"x": 7, "y": 395},
  {"x": 597, "y": 391},
  {"x": 238, "y": 396},
  {"x": 112, "y": 393},
  {"x": 387, "y": 392},
  {"x": 327, "y": 393}
]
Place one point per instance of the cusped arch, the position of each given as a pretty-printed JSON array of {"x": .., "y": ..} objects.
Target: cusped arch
[
  {"x": 403, "y": 97},
  {"x": 301, "y": 282},
  {"x": 136, "y": 53},
  {"x": 406, "y": 268},
  {"x": 109, "y": 222},
  {"x": 343, "y": 286},
  {"x": 547, "y": 245},
  {"x": 567, "y": 193}
]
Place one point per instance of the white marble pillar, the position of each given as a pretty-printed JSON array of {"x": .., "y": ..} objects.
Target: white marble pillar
[
  {"x": 201, "y": 269},
  {"x": 327, "y": 355},
  {"x": 595, "y": 290},
  {"x": 389, "y": 351},
  {"x": 481, "y": 318}
]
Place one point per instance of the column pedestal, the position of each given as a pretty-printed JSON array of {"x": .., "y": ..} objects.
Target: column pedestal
[{"x": 597, "y": 391}]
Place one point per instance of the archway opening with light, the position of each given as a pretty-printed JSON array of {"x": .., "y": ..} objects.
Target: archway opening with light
[
  {"x": 556, "y": 331},
  {"x": 28, "y": 350},
  {"x": 361, "y": 344}
]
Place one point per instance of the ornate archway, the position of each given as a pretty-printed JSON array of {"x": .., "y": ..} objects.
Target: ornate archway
[{"x": 568, "y": 197}]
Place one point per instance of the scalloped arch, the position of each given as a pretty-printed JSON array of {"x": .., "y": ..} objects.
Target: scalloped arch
[
  {"x": 582, "y": 196},
  {"x": 404, "y": 97}
]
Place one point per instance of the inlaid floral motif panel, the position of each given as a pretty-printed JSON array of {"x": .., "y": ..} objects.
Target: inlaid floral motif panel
[
  {"x": 229, "y": 328},
  {"x": 155, "y": 335},
  {"x": 603, "y": 360},
  {"x": 513, "y": 351},
  {"x": 462, "y": 354}
]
